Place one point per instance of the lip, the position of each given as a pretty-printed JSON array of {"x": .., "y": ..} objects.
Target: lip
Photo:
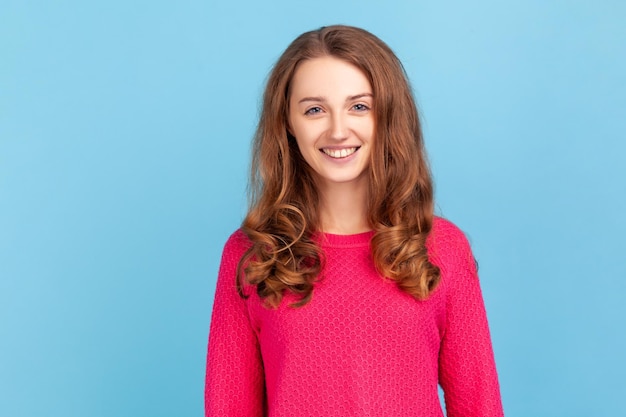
[
  {"x": 340, "y": 147},
  {"x": 343, "y": 159}
]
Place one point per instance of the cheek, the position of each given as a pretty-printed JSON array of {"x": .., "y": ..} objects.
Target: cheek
[
  {"x": 294, "y": 127},
  {"x": 300, "y": 140},
  {"x": 304, "y": 134},
  {"x": 369, "y": 130},
  {"x": 305, "y": 146}
]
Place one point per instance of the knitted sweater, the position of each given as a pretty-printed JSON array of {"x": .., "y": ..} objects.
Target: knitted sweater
[{"x": 361, "y": 346}]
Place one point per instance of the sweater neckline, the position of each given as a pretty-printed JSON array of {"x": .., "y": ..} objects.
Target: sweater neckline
[{"x": 342, "y": 241}]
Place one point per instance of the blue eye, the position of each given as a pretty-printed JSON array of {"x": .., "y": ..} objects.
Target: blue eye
[
  {"x": 360, "y": 107},
  {"x": 313, "y": 110}
]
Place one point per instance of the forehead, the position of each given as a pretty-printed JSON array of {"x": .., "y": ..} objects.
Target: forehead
[{"x": 328, "y": 77}]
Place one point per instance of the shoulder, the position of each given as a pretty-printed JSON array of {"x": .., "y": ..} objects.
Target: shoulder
[
  {"x": 447, "y": 244},
  {"x": 444, "y": 234},
  {"x": 237, "y": 240},
  {"x": 236, "y": 246}
]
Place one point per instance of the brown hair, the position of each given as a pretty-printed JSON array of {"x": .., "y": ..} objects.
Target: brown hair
[{"x": 282, "y": 220}]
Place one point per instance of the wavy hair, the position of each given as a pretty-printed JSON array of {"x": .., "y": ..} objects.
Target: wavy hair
[{"x": 282, "y": 221}]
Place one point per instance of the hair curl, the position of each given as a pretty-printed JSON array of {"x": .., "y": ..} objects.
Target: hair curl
[{"x": 282, "y": 219}]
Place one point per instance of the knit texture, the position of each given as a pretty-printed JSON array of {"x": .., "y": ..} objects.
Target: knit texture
[{"x": 361, "y": 346}]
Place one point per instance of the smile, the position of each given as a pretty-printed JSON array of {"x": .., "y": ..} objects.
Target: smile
[{"x": 339, "y": 153}]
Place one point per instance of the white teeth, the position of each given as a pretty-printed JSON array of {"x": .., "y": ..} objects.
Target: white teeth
[{"x": 339, "y": 153}]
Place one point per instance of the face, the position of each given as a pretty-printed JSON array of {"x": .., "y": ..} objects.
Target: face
[{"x": 332, "y": 118}]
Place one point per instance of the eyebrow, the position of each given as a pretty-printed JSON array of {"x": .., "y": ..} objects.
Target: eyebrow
[{"x": 323, "y": 99}]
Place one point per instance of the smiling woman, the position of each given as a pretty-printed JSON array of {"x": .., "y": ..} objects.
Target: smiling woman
[
  {"x": 331, "y": 120},
  {"x": 342, "y": 294}
]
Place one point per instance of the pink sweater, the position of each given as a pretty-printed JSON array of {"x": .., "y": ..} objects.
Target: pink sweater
[{"x": 360, "y": 347}]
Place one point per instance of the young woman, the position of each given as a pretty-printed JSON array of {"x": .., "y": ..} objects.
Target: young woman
[{"x": 342, "y": 294}]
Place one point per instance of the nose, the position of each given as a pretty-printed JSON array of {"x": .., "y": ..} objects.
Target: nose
[{"x": 338, "y": 128}]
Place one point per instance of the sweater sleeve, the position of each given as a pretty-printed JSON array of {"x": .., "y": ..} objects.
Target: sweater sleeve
[
  {"x": 467, "y": 371},
  {"x": 234, "y": 374}
]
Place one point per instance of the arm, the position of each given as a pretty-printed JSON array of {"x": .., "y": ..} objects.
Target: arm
[
  {"x": 467, "y": 371},
  {"x": 234, "y": 375}
]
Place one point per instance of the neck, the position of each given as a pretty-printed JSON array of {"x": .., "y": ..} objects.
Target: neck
[{"x": 343, "y": 209}]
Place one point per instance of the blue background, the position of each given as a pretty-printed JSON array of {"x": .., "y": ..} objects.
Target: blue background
[{"x": 124, "y": 148}]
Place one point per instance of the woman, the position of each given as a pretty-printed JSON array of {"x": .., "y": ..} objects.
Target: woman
[{"x": 342, "y": 294}]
